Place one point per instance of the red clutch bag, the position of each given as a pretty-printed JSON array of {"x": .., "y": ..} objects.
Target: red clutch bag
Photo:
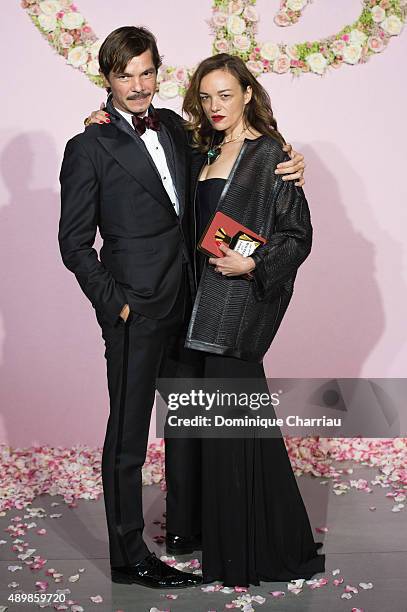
[{"x": 223, "y": 229}]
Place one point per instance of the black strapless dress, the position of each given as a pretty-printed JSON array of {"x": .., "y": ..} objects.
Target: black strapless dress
[{"x": 254, "y": 522}]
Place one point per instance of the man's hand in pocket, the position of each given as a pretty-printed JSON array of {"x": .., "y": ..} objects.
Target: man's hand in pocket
[{"x": 125, "y": 311}]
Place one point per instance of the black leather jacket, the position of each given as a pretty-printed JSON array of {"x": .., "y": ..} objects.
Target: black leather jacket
[{"x": 233, "y": 316}]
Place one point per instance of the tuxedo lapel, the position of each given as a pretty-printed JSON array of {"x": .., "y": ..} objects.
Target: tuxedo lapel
[
  {"x": 172, "y": 141},
  {"x": 133, "y": 157}
]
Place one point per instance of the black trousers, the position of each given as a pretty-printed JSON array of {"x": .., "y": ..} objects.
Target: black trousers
[{"x": 139, "y": 351}]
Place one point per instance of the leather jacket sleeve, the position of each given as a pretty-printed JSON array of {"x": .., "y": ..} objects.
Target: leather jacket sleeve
[{"x": 290, "y": 244}]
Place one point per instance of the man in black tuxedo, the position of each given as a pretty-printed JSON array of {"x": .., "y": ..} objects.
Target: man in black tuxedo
[{"x": 130, "y": 179}]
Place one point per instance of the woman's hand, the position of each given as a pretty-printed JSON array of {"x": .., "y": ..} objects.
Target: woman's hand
[
  {"x": 99, "y": 116},
  {"x": 294, "y": 168},
  {"x": 232, "y": 263}
]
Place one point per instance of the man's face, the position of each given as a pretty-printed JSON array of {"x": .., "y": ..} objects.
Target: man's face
[{"x": 134, "y": 88}]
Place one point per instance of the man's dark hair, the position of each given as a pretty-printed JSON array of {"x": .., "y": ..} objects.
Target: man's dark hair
[{"x": 122, "y": 45}]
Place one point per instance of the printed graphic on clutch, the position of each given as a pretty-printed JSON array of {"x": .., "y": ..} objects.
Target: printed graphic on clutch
[{"x": 234, "y": 27}]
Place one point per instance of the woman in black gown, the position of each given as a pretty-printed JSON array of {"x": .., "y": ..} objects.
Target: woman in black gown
[{"x": 254, "y": 522}]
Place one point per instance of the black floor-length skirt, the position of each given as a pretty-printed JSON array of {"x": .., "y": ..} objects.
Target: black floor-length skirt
[{"x": 255, "y": 526}]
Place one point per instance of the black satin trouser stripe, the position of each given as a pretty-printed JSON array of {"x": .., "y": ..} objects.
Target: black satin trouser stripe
[{"x": 118, "y": 449}]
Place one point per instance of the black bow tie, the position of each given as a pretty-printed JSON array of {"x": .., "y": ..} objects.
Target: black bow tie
[{"x": 151, "y": 122}]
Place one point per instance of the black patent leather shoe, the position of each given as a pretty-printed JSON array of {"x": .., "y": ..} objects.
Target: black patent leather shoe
[
  {"x": 155, "y": 574},
  {"x": 182, "y": 545}
]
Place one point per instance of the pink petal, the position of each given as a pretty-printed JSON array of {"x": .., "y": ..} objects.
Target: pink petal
[
  {"x": 277, "y": 593},
  {"x": 96, "y": 598},
  {"x": 240, "y": 589},
  {"x": 41, "y": 585}
]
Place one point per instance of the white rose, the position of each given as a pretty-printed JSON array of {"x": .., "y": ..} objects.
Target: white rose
[
  {"x": 378, "y": 14},
  {"x": 269, "y": 51},
  {"x": 236, "y": 25},
  {"x": 72, "y": 21},
  {"x": 392, "y": 25},
  {"x": 352, "y": 53},
  {"x": 317, "y": 63},
  {"x": 250, "y": 13},
  {"x": 94, "y": 48},
  {"x": 219, "y": 19},
  {"x": 243, "y": 43},
  {"x": 50, "y": 7},
  {"x": 78, "y": 56},
  {"x": 93, "y": 67},
  {"x": 47, "y": 22},
  {"x": 168, "y": 89},
  {"x": 254, "y": 67},
  {"x": 357, "y": 37},
  {"x": 296, "y": 5}
]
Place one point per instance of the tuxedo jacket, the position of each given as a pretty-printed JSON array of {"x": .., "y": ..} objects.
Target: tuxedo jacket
[{"x": 109, "y": 181}]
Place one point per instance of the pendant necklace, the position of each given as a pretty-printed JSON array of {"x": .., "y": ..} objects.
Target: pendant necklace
[{"x": 214, "y": 152}]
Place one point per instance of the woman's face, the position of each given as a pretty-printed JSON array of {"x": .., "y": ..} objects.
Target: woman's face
[{"x": 223, "y": 100}]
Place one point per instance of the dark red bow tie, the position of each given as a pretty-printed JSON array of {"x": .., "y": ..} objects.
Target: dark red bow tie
[{"x": 150, "y": 122}]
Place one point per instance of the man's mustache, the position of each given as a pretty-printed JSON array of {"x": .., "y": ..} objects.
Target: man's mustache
[{"x": 140, "y": 96}]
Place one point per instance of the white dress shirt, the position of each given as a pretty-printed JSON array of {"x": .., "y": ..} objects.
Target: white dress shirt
[{"x": 154, "y": 147}]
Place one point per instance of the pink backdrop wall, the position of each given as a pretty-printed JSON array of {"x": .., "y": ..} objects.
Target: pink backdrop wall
[{"x": 348, "y": 314}]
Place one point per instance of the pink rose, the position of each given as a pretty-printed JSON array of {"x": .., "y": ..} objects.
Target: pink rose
[
  {"x": 222, "y": 45},
  {"x": 345, "y": 37},
  {"x": 375, "y": 43},
  {"x": 281, "y": 64},
  {"x": 180, "y": 75},
  {"x": 65, "y": 40},
  {"x": 235, "y": 7},
  {"x": 282, "y": 20},
  {"x": 87, "y": 34},
  {"x": 338, "y": 47},
  {"x": 292, "y": 52}
]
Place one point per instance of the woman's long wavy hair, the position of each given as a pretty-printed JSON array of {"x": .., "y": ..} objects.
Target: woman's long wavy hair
[{"x": 257, "y": 114}]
